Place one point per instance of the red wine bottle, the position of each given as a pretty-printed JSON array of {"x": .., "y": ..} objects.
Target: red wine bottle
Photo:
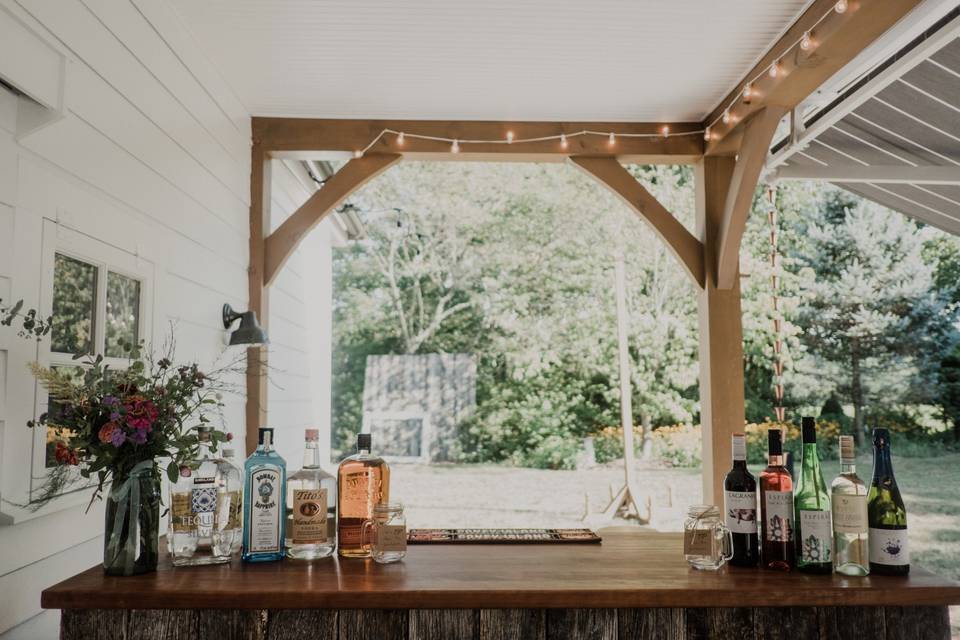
[
  {"x": 776, "y": 507},
  {"x": 740, "y": 507}
]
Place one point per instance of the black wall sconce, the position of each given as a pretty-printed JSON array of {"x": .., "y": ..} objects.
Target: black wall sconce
[{"x": 249, "y": 331}]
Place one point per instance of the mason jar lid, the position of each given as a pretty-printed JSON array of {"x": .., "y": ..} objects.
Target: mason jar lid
[
  {"x": 703, "y": 511},
  {"x": 388, "y": 507}
]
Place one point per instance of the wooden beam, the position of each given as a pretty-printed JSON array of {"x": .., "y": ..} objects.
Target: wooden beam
[
  {"x": 610, "y": 173},
  {"x": 258, "y": 293},
  {"x": 298, "y": 135},
  {"x": 721, "y": 335},
  {"x": 876, "y": 174},
  {"x": 838, "y": 39},
  {"x": 739, "y": 199},
  {"x": 281, "y": 244}
]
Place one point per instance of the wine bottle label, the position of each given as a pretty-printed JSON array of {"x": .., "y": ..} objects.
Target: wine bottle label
[
  {"x": 815, "y": 540},
  {"x": 850, "y": 514},
  {"x": 264, "y": 524},
  {"x": 889, "y": 546},
  {"x": 779, "y": 516},
  {"x": 391, "y": 538},
  {"x": 309, "y": 516},
  {"x": 741, "y": 511}
]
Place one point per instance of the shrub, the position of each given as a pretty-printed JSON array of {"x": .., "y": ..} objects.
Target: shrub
[{"x": 678, "y": 445}]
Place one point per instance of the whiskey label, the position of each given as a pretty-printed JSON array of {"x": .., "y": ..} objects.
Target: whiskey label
[
  {"x": 889, "y": 546},
  {"x": 698, "y": 542},
  {"x": 351, "y": 535},
  {"x": 778, "y": 518},
  {"x": 391, "y": 538},
  {"x": 850, "y": 514},
  {"x": 180, "y": 514},
  {"x": 264, "y": 523},
  {"x": 309, "y": 522},
  {"x": 815, "y": 539},
  {"x": 740, "y": 511},
  {"x": 357, "y": 493}
]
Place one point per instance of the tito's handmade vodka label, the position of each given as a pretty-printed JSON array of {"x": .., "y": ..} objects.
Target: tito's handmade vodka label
[
  {"x": 309, "y": 520},
  {"x": 265, "y": 511}
]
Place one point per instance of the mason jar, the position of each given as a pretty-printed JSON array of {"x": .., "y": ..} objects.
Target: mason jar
[
  {"x": 707, "y": 543},
  {"x": 387, "y": 533}
]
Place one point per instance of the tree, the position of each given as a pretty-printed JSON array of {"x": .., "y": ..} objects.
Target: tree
[{"x": 873, "y": 309}]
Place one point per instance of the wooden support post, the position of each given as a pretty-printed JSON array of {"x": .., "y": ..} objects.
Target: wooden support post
[
  {"x": 259, "y": 294},
  {"x": 721, "y": 334}
]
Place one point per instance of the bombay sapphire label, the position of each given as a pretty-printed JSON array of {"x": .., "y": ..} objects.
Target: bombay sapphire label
[
  {"x": 740, "y": 511},
  {"x": 815, "y": 539},
  {"x": 779, "y": 516},
  {"x": 889, "y": 546},
  {"x": 265, "y": 511}
]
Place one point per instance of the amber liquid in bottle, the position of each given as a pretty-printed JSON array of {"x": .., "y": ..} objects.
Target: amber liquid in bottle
[
  {"x": 776, "y": 507},
  {"x": 363, "y": 481}
]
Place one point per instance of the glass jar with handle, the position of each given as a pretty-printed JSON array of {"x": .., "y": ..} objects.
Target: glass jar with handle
[
  {"x": 707, "y": 542},
  {"x": 387, "y": 533}
]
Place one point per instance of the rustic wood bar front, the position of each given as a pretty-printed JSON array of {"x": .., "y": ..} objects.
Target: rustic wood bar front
[{"x": 633, "y": 585}]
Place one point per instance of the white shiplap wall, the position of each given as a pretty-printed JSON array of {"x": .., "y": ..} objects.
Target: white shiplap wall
[{"x": 149, "y": 153}]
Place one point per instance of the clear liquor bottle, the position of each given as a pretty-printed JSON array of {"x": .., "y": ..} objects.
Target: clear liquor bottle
[
  {"x": 776, "y": 508},
  {"x": 230, "y": 503},
  {"x": 812, "y": 502},
  {"x": 265, "y": 477},
  {"x": 363, "y": 481},
  {"x": 195, "y": 536},
  {"x": 886, "y": 515},
  {"x": 311, "y": 506},
  {"x": 851, "y": 550}
]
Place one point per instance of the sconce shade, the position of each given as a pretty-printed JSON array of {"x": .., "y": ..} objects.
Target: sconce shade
[{"x": 249, "y": 331}]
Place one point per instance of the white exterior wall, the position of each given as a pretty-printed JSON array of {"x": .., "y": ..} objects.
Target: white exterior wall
[{"x": 146, "y": 149}]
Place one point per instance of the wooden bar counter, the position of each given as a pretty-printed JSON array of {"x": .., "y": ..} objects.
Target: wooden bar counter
[{"x": 634, "y": 585}]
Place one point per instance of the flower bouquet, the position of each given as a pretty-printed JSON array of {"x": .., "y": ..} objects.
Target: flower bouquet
[{"x": 115, "y": 425}]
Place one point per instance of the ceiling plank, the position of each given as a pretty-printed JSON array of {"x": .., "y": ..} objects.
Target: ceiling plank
[
  {"x": 837, "y": 40},
  {"x": 612, "y": 174},
  {"x": 877, "y": 174},
  {"x": 298, "y": 135}
]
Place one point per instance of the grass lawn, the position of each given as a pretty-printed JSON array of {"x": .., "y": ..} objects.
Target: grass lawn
[{"x": 497, "y": 496}]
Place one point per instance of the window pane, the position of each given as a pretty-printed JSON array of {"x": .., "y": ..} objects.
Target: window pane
[
  {"x": 123, "y": 313},
  {"x": 74, "y": 305}
]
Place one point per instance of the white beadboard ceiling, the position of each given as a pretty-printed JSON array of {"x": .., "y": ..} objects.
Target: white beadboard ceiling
[{"x": 615, "y": 60}]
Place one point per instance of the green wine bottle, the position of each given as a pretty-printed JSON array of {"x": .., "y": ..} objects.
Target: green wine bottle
[
  {"x": 886, "y": 515},
  {"x": 812, "y": 504}
]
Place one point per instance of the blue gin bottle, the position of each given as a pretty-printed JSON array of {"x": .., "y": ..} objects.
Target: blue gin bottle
[{"x": 264, "y": 479}]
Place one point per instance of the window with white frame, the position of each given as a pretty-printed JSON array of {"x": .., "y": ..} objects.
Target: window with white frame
[{"x": 99, "y": 298}]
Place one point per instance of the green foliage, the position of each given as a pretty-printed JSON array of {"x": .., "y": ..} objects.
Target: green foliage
[{"x": 32, "y": 326}]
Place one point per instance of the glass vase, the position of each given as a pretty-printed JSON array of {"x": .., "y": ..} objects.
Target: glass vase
[{"x": 132, "y": 525}]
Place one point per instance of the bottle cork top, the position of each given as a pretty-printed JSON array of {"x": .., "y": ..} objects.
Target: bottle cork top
[
  {"x": 311, "y": 434},
  {"x": 809, "y": 428},
  {"x": 848, "y": 452}
]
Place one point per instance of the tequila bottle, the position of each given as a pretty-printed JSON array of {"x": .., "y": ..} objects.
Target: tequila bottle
[
  {"x": 196, "y": 534},
  {"x": 851, "y": 550},
  {"x": 363, "y": 482},
  {"x": 311, "y": 506},
  {"x": 265, "y": 474}
]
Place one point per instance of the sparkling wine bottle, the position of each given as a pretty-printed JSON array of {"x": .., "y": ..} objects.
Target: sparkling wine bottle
[
  {"x": 740, "y": 507},
  {"x": 812, "y": 504},
  {"x": 776, "y": 507},
  {"x": 851, "y": 554},
  {"x": 886, "y": 515}
]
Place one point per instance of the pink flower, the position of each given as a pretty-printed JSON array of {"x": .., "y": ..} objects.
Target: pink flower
[{"x": 140, "y": 414}]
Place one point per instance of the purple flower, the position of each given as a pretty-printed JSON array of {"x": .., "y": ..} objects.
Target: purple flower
[
  {"x": 117, "y": 437},
  {"x": 138, "y": 436},
  {"x": 114, "y": 416},
  {"x": 110, "y": 401}
]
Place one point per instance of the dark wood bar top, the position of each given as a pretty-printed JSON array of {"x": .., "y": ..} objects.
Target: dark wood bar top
[{"x": 628, "y": 570}]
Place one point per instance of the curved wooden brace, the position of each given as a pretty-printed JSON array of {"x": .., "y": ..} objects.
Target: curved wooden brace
[
  {"x": 757, "y": 135},
  {"x": 609, "y": 172},
  {"x": 281, "y": 244}
]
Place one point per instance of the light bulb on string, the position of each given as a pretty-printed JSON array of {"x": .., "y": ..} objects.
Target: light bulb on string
[
  {"x": 358, "y": 154},
  {"x": 665, "y": 131},
  {"x": 400, "y": 139},
  {"x": 747, "y": 91},
  {"x": 776, "y": 69},
  {"x": 806, "y": 42},
  {"x": 563, "y": 141},
  {"x": 841, "y": 6},
  {"x": 612, "y": 140},
  {"x": 726, "y": 117},
  {"x": 455, "y": 147},
  {"x": 706, "y": 134},
  {"x": 509, "y": 137}
]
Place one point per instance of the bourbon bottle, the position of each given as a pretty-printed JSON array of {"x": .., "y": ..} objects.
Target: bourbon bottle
[{"x": 363, "y": 481}]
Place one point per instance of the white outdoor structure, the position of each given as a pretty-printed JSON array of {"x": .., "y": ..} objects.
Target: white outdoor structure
[{"x": 125, "y": 139}]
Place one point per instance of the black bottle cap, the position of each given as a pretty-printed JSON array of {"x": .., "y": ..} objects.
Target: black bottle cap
[
  {"x": 363, "y": 441},
  {"x": 775, "y": 442},
  {"x": 262, "y": 431},
  {"x": 809, "y": 427},
  {"x": 881, "y": 437}
]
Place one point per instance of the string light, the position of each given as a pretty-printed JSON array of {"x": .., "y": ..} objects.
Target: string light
[
  {"x": 806, "y": 42},
  {"x": 400, "y": 139},
  {"x": 726, "y": 116},
  {"x": 776, "y": 69},
  {"x": 706, "y": 134},
  {"x": 358, "y": 153},
  {"x": 563, "y": 141},
  {"x": 841, "y": 6},
  {"x": 509, "y": 137},
  {"x": 747, "y": 91},
  {"x": 455, "y": 147},
  {"x": 612, "y": 140}
]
